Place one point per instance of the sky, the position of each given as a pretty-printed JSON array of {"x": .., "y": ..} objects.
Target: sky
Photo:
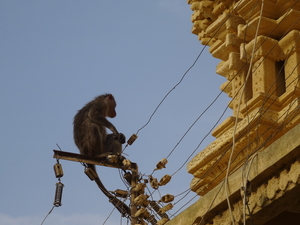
[{"x": 58, "y": 55}]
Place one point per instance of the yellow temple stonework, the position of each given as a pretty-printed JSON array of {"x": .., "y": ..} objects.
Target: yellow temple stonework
[{"x": 258, "y": 44}]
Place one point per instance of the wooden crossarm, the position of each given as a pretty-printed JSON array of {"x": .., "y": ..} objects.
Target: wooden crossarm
[{"x": 99, "y": 160}]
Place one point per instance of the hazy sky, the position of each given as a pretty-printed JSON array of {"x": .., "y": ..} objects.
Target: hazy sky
[{"x": 58, "y": 55}]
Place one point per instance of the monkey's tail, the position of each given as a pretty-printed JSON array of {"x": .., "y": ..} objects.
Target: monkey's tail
[
  {"x": 99, "y": 182},
  {"x": 121, "y": 206}
]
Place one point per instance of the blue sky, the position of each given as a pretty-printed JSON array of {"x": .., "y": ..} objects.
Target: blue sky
[{"x": 58, "y": 55}]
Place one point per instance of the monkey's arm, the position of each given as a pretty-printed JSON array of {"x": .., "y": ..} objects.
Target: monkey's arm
[{"x": 100, "y": 120}]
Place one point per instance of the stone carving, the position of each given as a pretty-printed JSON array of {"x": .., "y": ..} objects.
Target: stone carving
[
  {"x": 267, "y": 109},
  {"x": 266, "y": 194}
]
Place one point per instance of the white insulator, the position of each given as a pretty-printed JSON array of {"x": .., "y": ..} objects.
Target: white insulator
[
  {"x": 126, "y": 163},
  {"x": 166, "y": 208},
  {"x": 58, "y": 170},
  {"x": 139, "y": 187},
  {"x": 167, "y": 198},
  {"x": 132, "y": 139},
  {"x": 142, "y": 212},
  {"x": 153, "y": 182},
  {"x": 58, "y": 194},
  {"x": 161, "y": 164},
  {"x": 121, "y": 193},
  {"x": 164, "y": 180},
  {"x": 141, "y": 199}
]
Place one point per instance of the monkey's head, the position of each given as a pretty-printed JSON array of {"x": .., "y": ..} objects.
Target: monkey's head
[{"x": 111, "y": 103}]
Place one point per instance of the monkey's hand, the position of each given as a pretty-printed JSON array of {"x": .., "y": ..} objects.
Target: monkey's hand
[{"x": 121, "y": 138}]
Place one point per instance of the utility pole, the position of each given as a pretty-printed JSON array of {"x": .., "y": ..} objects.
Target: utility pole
[
  {"x": 133, "y": 195},
  {"x": 103, "y": 162},
  {"x": 139, "y": 205}
]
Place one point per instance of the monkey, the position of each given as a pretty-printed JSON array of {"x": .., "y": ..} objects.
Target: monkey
[
  {"x": 90, "y": 125},
  {"x": 89, "y": 131}
]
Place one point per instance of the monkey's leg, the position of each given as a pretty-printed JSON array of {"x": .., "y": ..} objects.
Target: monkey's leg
[{"x": 112, "y": 145}]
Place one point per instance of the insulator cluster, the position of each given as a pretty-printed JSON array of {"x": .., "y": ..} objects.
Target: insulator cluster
[{"x": 58, "y": 171}]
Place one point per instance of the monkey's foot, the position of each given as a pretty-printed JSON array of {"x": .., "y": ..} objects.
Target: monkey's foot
[
  {"x": 113, "y": 158},
  {"x": 104, "y": 155},
  {"x": 110, "y": 157}
]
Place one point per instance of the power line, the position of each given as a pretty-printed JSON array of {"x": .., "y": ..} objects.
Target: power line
[{"x": 279, "y": 72}]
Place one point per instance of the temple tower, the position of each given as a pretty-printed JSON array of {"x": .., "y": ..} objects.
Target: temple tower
[{"x": 258, "y": 44}]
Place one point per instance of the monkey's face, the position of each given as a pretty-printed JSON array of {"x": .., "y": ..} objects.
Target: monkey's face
[{"x": 111, "y": 112}]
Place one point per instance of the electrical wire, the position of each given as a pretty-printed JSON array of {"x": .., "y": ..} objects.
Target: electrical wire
[
  {"x": 194, "y": 124},
  {"x": 237, "y": 115},
  {"x": 176, "y": 86},
  {"x": 213, "y": 127},
  {"x": 280, "y": 127},
  {"x": 276, "y": 88},
  {"x": 109, "y": 215},
  {"x": 157, "y": 108},
  {"x": 215, "y": 98},
  {"x": 206, "y": 107},
  {"x": 283, "y": 123},
  {"x": 172, "y": 89},
  {"x": 186, "y": 131},
  {"x": 47, "y": 215},
  {"x": 244, "y": 180},
  {"x": 193, "y": 64},
  {"x": 273, "y": 30},
  {"x": 234, "y": 160}
]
